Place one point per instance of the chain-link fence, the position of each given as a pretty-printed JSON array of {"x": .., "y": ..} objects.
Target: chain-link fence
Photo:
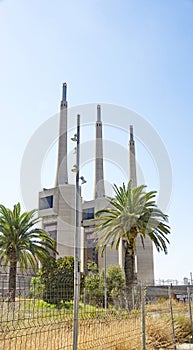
[{"x": 42, "y": 319}]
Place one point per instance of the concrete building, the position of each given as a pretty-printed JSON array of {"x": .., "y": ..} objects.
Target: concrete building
[
  {"x": 144, "y": 257},
  {"x": 99, "y": 202},
  {"x": 57, "y": 205}
]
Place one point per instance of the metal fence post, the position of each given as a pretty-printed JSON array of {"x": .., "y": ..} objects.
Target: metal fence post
[
  {"x": 143, "y": 294},
  {"x": 76, "y": 248},
  {"x": 84, "y": 298},
  {"x": 172, "y": 317},
  {"x": 105, "y": 279},
  {"x": 190, "y": 311}
]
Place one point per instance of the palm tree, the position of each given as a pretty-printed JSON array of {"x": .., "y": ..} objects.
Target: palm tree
[
  {"x": 131, "y": 213},
  {"x": 21, "y": 243}
]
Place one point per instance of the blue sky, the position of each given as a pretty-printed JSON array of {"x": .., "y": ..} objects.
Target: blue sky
[{"x": 136, "y": 54}]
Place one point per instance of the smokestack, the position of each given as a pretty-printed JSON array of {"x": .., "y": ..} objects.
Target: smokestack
[
  {"x": 62, "y": 173},
  {"x": 98, "y": 113},
  {"x": 64, "y": 91},
  {"x": 99, "y": 174},
  {"x": 132, "y": 162}
]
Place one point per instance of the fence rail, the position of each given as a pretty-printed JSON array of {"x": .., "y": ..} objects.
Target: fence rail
[{"x": 31, "y": 323}]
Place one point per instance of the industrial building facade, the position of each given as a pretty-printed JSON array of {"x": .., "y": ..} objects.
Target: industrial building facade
[{"x": 57, "y": 206}]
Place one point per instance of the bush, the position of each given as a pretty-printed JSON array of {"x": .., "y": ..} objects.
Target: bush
[
  {"x": 94, "y": 285},
  {"x": 55, "y": 280}
]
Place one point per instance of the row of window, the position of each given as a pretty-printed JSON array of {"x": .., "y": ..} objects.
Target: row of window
[
  {"x": 87, "y": 214},
  {"x": 47, "y": 203}
]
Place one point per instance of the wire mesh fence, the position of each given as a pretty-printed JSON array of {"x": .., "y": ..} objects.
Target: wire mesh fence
[{"x": 43, "y": 319}]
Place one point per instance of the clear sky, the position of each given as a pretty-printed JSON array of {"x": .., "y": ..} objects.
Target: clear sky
[{"x": 132, "y": 53}]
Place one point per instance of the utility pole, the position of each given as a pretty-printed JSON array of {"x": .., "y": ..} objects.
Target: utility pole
[{"x": 76, "y": 255}]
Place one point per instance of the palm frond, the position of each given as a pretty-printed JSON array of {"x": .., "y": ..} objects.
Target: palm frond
[
  {"x": 18, "y": 234},
  {"x": 132, "y": 212}
]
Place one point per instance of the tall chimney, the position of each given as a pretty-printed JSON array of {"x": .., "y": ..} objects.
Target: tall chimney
[
  {"x": 99, "y": 174},
  {"x": 132, "y": 162},
  {"x": 62, "y": 172}
]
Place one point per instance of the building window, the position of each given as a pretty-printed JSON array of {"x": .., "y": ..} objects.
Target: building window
[
  {"x": 88, "y": 214},
  {"x": 51, "y": 228},
  {"x": 46, "y": 202},
  {"x": 3, "y": 278},
  {"x": 53, "y": 234},
  {"x": 92, "y": 255}
]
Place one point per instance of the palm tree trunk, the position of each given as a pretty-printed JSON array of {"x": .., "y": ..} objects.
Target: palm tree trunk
[
  {"x": 129, "y": 273},
  {"x": 12, "y": 280}
]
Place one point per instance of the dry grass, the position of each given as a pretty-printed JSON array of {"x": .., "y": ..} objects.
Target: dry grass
[
  {"x": 115, "y": 334},
  {"x": 102, "y": 331},
  {"x": 163, "y": 307},
  {"x": 159, "y": 331}
]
